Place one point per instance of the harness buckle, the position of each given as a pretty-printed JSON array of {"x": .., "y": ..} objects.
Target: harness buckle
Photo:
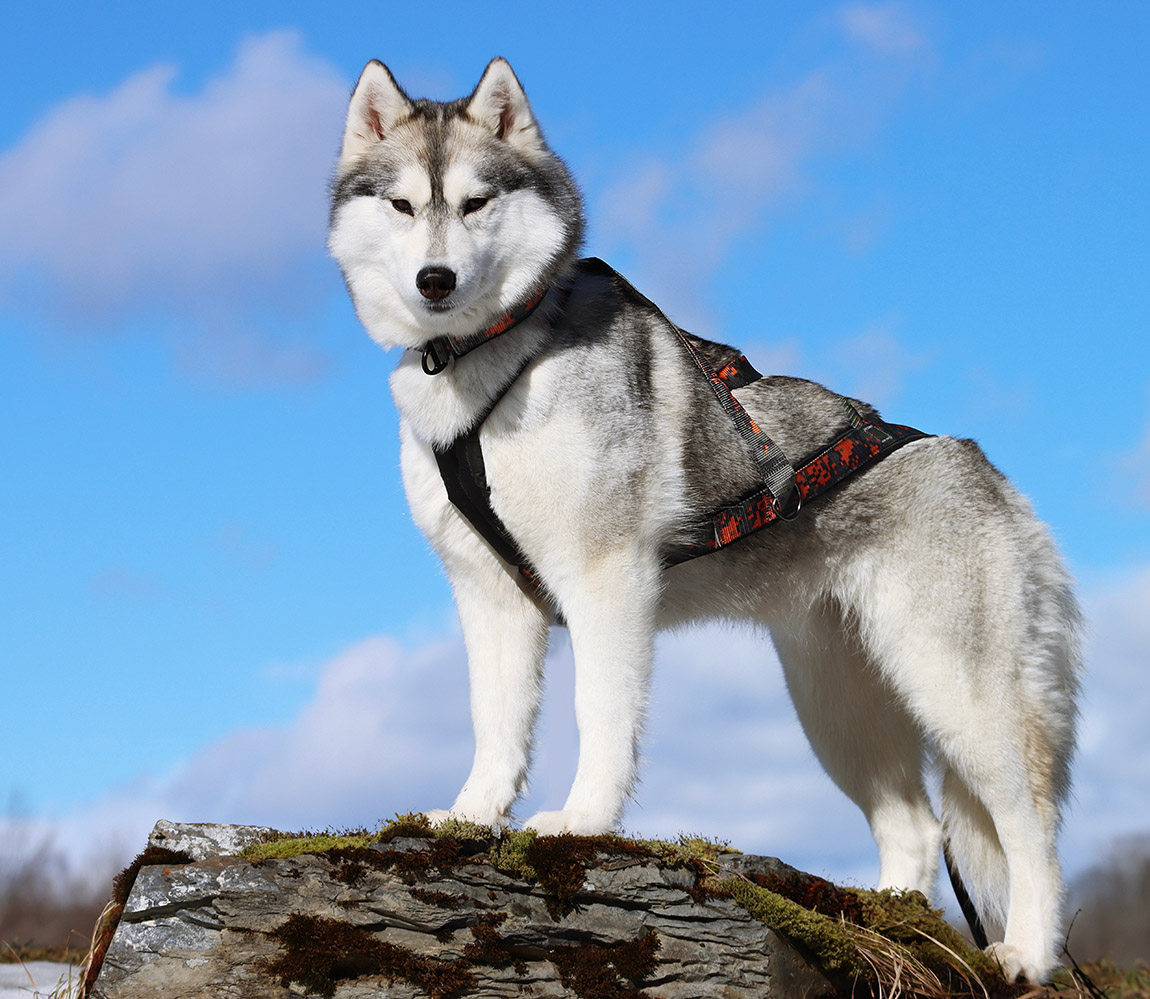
[
  {"x": 791, "y": 515},
  {"x": 433, "y": 361}
]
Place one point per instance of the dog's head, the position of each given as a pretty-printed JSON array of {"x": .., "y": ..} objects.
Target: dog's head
[{"x": 446, "y": 215}]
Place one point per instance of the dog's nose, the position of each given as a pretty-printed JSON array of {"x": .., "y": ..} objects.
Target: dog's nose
[{"x": 435, "y": 282}]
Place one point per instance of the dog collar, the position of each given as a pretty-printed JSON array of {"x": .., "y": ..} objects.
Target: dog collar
[{"x": 439, "y": 352}]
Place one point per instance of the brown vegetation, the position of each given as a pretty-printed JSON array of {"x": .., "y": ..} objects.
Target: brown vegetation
[
  {"x": 46, "y": 912},
  {"x": 1110, "y": 906}
]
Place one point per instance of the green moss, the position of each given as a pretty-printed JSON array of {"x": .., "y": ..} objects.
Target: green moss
[
  {"x": 413, "y": 825},
  {"x": 298, "y": 844},
  {"x": 832, "y": 925},
  {"x": 825, "y": 938},
  {"x": 687, "y": 850},
  {"x": 909, "y": 919},
  {"x": 508, "y": 855},
  {"x": 814, "y": 893}
]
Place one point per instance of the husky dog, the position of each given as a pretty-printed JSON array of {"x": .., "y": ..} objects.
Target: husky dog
[{"x": 920, "y": 611}]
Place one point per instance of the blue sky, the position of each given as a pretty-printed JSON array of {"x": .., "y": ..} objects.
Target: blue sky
[{"x": 213, "y": 604}]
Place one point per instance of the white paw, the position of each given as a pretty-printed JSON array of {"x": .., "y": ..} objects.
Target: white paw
[
  {"x": 494, "y": 821},
  {"x": 1016, "y": 964},
  {"x": 567, "y": 821}
]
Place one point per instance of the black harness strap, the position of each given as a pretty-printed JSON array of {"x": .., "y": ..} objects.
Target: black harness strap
[
  {"x": 777, "y": 472},
  {"x": 461, "y": 464},
  {"x": 464, "y": 475}
]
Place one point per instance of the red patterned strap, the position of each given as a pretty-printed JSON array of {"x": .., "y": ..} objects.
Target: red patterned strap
[
  {"x": 438, "y": 353},
  {"x": 776, "y": 472},
  {"x": 863, "y": 443}
]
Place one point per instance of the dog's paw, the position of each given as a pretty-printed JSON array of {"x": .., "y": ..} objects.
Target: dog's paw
[
  {"x": 491, "y": 820},
  {"x": 437, "y": 816},
  {"x": 579, "y": 823},
  {"x": 1015, "y": 964}
]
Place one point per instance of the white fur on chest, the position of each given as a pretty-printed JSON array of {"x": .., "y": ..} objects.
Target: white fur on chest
[{"x": 571, "y": 482}]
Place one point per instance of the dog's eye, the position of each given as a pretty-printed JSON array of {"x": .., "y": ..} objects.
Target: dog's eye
[
  {"x": 473, "y": 205},
  {"x": 401, "y": 205}
]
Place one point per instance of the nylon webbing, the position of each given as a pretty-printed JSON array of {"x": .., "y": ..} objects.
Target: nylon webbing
[
  {"x": 439, "y": 352},
  {"x": 863, "y": 443},
  {"x": 777, "y": 472}
]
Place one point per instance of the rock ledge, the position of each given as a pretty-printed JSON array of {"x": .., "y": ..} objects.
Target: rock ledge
[{"x": 418, "y": 916}]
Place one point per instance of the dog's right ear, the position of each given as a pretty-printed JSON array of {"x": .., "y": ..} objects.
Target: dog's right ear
[{"x": 376, "y": 105}]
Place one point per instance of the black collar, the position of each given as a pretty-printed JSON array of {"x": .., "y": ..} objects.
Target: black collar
[{"x": 440, "y": 351}]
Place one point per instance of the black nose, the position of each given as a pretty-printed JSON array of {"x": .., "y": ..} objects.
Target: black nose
[{"x": 435, "y": 282}]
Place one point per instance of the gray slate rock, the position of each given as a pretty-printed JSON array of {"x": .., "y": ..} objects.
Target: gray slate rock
[
  {"x": 206, "y": 928},
  {"x": 203, "y": 839}
]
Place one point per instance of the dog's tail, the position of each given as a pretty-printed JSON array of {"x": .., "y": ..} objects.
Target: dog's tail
[{"x": 971, "y": 845}]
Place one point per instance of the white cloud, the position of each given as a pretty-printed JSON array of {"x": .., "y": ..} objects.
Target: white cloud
[
  {"x": 1135, "y": 472},
  {"x": 886, "y": 28},
  {"x": 209, "y": 206},
  {"x": 387, "y": 730},
  {"x": 682, "y": 215},
  {"x": 1112, "y": 787},
  {"x": 883, "y": 361}
]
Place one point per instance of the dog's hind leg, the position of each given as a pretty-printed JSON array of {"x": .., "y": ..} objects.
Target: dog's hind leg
[
  {"x": 1002, "y": 822},
  {"x": 1001, "y": 760},
  {"x": 973, "y": 845},
  {"x": 864, "y": 739}
]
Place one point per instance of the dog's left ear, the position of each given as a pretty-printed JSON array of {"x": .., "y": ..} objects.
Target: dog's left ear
[{"x": 500, "y": 105}]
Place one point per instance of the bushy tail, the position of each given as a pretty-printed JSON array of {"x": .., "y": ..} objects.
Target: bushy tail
[{"x": 971, "y": 846}]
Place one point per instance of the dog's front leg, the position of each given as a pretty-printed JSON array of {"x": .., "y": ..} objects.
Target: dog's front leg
[
  {"x": 505, "y": 632},
  {"x": 610, "y": 612}
]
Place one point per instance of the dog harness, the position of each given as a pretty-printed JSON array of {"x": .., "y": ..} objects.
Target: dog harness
[{"x": 783, "y": 490}]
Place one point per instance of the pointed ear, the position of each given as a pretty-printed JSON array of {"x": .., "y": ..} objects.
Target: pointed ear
[
  {"x": 500, "y": 105},
  {"x": 376, "y": 105}
]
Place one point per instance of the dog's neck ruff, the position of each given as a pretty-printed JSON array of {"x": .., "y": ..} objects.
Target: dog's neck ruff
[{"x": 439, "y": 352}]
